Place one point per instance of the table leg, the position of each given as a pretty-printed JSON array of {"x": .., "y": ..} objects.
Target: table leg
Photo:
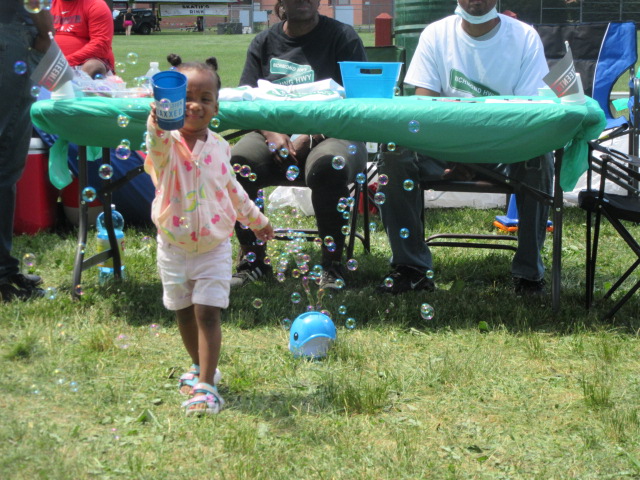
[
  {"x": 76, "y": 289},
  {"x": 557, "y": 207}
]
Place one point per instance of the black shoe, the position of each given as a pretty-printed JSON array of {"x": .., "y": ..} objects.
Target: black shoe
[
  {"x": 333, "y": 277},
  {"x": 25, "y": 280},
  {"x": 405, "y": 278},
  {"x": 248, "y": 272},
  {"x": 10, "y": 292},
  {"x": 528, "y": 288}
]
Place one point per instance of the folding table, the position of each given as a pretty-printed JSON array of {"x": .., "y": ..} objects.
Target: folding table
[{"x": 482, "y": 130}]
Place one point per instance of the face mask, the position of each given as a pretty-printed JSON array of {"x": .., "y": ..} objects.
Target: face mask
[{"x": 490, "y": 15}]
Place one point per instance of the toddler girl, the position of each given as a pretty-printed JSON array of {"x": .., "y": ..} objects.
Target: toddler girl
[{"x": 197, "y": 203}]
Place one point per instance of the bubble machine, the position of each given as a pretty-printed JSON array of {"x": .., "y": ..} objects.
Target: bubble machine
[{"x": 311, "y": 335}]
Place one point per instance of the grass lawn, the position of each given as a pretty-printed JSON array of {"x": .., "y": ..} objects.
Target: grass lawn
[{"x": 90, "y": 386}]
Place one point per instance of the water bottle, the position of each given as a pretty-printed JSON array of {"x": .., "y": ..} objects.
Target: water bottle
[
  {"x": 106, "y": 267},
  {"x": 153, "y": 69}
]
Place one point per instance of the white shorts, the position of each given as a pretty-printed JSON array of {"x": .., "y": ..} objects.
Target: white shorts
[{"x": 194, "y": 278}]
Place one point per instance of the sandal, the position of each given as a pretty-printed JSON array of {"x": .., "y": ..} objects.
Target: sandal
[
  {"x": 189, "y": 379},
  {"x": 206, "y": 400}
]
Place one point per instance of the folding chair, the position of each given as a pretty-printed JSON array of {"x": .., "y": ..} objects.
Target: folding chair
[
  {"x": 355, "y": 191},
  {"x": 618, "y": 209}
]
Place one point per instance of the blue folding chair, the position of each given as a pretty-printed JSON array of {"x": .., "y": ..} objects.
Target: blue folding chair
[{"x": 602, "y": 52}]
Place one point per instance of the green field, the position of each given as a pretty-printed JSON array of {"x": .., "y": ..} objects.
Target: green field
[{"x": 89, "y": 387}]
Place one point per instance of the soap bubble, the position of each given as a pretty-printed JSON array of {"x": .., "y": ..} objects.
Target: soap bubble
[
  {"x": 154, "y": 330},
  {"x": 361, "y": 178},
  {"x": 350, "y": 323},
  {"x": 292, "y": 173},
  {"x": 332, "y": 247},
  {"x": 352, "y": 264},
  {"x": 123, "y": 121},
  {"x": 237, "y": 167},
  {"x": 78, "y": 290},
  {"x": 328, "y": 240},
  {"x": 427, "y": 311},
  {"x": 132, "y": 58},
  {"x": 352, "y": 149},
  {"x": 122, "y": 341},
  {"x": 122, "y": 152},
  {"x": 257, "y": 303},
  {"x": 404, "y": 233},
  {"x": 143, "y": 147},
  {"x": 379, "y": 198},
  {"x": 253, "y": 176},
  {"x": 73, "y": 386},
  {"x": 338, "y": 162},
  {"x": 51, "y": 293},
  {"x": 89, "y": 194},
  {"x": 35, "y": 91},
  {"x": 373, "y": 227},
  {"x": 20, "y": 67},
  {"x": 408, "y": 184},
  {"x": 296, "y": 297},
  {"x": 164, "y": 104},
  {"x": 215, "y": 122},
  {"x": 283, "y": 152},
  {"x": 120, "y": 67},
  {"x": 414, "y": 126},
  {"x": 396, "y": 91},
  {"x": 286, "y": 323},
  {"x": 346, "y": 229},
  {"x": 383, "y": 179},
  {"x": 342, "y": 310},
  {"x": 29, "y": 260},
  {"x": 183, "y": 222},
  {"x": 245, "y": 171},
  {"x": 391, "y": 146},
  {"x": 429, "y": 274},
  {"x": 388, "y": 282},
  {"x": 125, "y": 142},
  {"x": 251, "y": 257},
  {"x": 272, "y": 147},
  {"x": 105, "y": 171},
  {"x": 33, "y": 6}
]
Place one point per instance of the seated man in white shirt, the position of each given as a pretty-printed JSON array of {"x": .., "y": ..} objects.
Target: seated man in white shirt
[{"x": 476, "y": 52}]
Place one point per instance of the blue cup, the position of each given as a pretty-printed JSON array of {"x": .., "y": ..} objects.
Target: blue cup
[{"x": 170, "y": 93}]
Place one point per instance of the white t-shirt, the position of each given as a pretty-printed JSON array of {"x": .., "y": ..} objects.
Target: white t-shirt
[{"x": 449, "y": 61}]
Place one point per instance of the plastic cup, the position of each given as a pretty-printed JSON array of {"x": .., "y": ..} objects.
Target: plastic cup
[{"x": 170, "y": 86}]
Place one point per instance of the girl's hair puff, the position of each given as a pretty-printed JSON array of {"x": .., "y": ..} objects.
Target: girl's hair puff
[{"x": 210, "y": 65}]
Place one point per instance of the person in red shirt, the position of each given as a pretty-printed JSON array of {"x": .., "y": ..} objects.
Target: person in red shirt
[{"x": 84, "y": 31}]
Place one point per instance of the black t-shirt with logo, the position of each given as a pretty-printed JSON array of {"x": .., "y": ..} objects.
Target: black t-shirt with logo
[{"x": 278, "y": 58}]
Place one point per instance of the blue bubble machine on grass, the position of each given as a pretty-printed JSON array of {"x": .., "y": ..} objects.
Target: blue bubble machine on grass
[{"x": 311, "y": 335}]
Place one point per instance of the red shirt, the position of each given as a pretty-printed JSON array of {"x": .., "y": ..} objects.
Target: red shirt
[{"x": 84, "y": 30}]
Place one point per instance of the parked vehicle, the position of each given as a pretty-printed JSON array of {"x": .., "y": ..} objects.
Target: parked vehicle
[{"x": 145, "y": 21}]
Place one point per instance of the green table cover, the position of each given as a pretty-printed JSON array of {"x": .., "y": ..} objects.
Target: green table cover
[{"x": 462, "y": 130}]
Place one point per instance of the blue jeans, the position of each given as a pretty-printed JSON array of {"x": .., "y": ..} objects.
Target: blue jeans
[
  {"x": 402, "y": 209},
  {"x": 16, "y": 39}
]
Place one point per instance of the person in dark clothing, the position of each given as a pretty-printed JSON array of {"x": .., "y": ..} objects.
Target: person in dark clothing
[{"x": 304, "y": 47}]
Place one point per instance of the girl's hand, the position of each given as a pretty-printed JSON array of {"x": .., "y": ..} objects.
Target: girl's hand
[
  {"x": 265, "y": 233},
  {"x": 152, "y": 113}
]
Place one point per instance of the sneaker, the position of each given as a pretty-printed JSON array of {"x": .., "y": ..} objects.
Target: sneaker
[
  {"x": 25, "y": 280},
  {"x": 528, "y": 288},
  {"x": 10, "y": 292},
  {"x": 248, "y": 272},
  {"x": 405, "y": 278},
  {"x": 332, "y": 277}
]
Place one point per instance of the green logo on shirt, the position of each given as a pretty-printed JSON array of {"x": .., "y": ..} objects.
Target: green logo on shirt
[
  {"x": 293, "y": 73},
  {"x": 459, "y": 81}
]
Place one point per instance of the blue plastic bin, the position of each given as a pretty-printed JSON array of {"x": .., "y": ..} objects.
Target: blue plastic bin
[{"x": 370, "y": 79}]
